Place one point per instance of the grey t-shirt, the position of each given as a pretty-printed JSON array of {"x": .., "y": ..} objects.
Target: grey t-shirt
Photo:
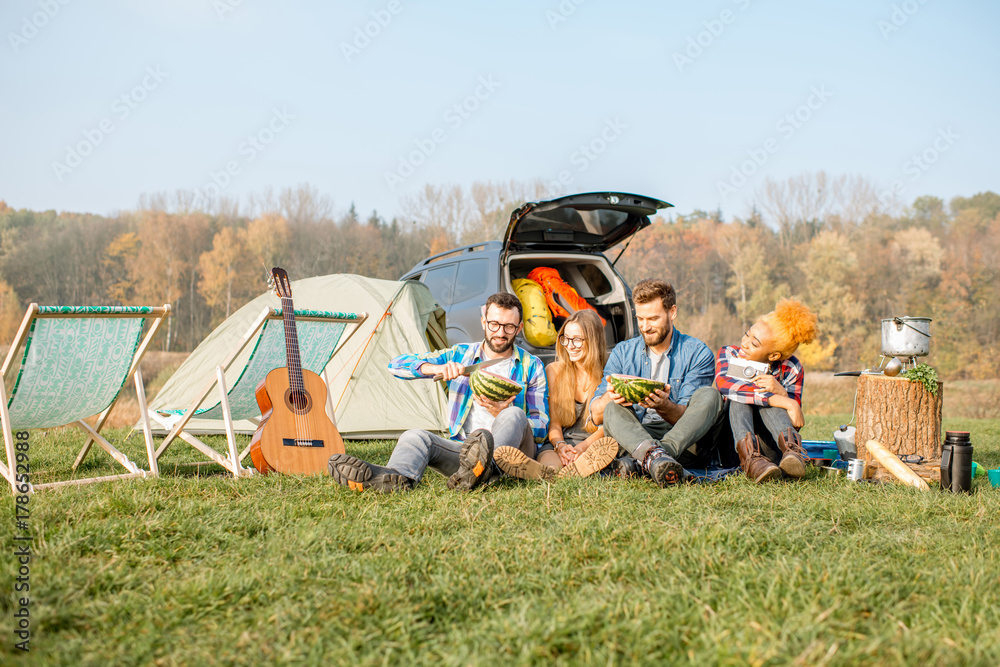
[{"x": 660, "y": 371}]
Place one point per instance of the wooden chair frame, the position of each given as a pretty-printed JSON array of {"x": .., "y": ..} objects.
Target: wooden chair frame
[{"x": 10, "y": 468}]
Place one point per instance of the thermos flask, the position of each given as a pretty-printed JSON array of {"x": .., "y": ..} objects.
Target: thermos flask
[{"x": 956, "y": 462}]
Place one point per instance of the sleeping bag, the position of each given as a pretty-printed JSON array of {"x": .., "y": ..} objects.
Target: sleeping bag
[
  {"x": 560, "y": 296},
  {"x": 538, "y": 329}
]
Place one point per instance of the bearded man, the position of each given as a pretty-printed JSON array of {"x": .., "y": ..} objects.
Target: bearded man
[
  {"x": 672, "y": 428},
  {"x": 476, "y": 424}
]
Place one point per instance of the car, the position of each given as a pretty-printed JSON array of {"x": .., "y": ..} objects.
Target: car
[{"x": 569, "y": 234}]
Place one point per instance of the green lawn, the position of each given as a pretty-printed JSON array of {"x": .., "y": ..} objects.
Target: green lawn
[{"x": 186, "y": 571}]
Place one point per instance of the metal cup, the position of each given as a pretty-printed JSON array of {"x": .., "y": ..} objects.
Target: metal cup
[{"x": 856, "y": 470}]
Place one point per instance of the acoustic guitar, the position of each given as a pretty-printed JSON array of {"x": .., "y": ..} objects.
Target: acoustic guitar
[{"x": 295, "y": 435}]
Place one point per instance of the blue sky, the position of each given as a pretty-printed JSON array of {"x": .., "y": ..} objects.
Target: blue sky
[{"x": 694, "y": 103}]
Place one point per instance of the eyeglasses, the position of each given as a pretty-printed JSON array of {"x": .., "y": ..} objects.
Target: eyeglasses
[
  {"x": 575, "y": 343},
  {"x": 507, "y": 328}
]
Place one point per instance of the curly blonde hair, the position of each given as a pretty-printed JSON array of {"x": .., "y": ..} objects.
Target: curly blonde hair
[{"x": 791, "y": 323}]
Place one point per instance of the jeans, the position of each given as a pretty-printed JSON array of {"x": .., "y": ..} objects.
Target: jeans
[
  {"x": 767, "y": 422},
  {"x": 417, "y": 449},
  {"x": 693, "y": 440}
]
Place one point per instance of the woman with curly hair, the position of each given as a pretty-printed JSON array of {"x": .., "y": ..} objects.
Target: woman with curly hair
[
  {"x": 765, "y": 409},
  {"x": 580, "y": 449}
]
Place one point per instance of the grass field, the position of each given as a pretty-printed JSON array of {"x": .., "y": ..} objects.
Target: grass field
[{"x": 185, "y": 570}]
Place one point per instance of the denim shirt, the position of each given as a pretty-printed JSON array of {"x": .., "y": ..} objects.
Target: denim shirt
[{"x": 692, "y": 365}]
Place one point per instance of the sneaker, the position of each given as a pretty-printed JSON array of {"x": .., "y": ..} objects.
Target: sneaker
[
  {"x": 474, "y": 461},
  {"x": 360, "y": 475},
  {"x": 516, "y": 463},
  {"x": 597, "y": 457}
]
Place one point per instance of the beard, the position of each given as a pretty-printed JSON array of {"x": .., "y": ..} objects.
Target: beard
[
  {"x": 508, "y": 342},
  {"x": 656, "y": 337}
]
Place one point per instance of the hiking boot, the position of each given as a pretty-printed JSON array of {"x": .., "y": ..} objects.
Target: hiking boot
[
  {"x": 516, "y": 463},
  {"x": 597, "y": 457},
  {"x": 757, "y": 466},
  {"x": 360, "y": 475},
  {"x": 663, "y": 468},
  {"x": 475, "y": 461},
  {"x": 625, "y": 467},
  {"x": 793, "y": 457}
]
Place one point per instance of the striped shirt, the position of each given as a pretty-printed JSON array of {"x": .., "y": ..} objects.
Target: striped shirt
[
  {"x": 528, "y": 371},
  {"x": 789, "y": 374}
]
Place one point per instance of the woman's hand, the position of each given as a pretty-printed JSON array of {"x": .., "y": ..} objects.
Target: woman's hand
[
  {"x": 567, "y": 453},
  {"x": 795, "y": 414},
  {"x": 770, "y": 384}
]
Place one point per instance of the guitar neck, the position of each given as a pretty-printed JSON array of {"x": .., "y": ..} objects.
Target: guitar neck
[{"x": 292, "y": 345}]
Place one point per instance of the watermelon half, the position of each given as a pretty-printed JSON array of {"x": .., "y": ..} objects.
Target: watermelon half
[
  {"x": 634, "y": 389},
  {"x": 492, "y": 386}
]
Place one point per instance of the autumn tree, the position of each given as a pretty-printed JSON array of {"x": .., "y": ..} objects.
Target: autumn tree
[
  {"x": 228, "y": 276},
  {"x": 11, "y": 312},
  {"x": 829, "y": 264}
]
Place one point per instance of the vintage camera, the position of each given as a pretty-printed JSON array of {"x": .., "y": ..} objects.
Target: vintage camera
[{"x": 744, "y": 369}]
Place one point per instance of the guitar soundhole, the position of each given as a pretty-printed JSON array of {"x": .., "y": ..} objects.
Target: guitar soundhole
[{"x": 299, "y": 402}]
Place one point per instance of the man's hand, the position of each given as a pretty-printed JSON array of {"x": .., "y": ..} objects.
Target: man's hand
[
  {"x": 493, "y": 407},
  {"x": 450, "y": 370},
  {"x": 658, "y": 400},
  {"x": 767, "y": 382},
  {"x": 795, "y": 414}
]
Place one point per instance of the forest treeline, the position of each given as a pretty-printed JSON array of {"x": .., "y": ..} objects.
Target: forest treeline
[{"x": 829, "y": 241}]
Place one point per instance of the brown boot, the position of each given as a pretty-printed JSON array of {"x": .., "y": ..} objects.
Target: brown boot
[
  {"x": 794, "y": 458},
  {"x": 754, "y": 464}
]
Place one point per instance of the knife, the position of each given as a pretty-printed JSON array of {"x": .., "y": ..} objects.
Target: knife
[{"x": 470, "y": 369}]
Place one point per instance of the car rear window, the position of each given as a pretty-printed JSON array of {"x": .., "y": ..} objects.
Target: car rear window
[{"x": 599, "y": 222}]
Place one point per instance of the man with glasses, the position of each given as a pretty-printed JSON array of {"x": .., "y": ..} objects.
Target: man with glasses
[
  {"x": 476, "y": 424},
  {"x": 680, "y": 425}
]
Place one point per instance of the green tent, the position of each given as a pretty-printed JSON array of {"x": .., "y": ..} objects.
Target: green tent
[{"x": 368, "y": 401}]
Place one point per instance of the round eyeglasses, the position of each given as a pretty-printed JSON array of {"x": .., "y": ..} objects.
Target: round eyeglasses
[
  {"x": 507, "y": 328},
  {"x": 575, "y": 343}
]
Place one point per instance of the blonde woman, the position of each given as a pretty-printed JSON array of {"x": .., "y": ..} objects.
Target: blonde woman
[{"x": 576, "y": 448}]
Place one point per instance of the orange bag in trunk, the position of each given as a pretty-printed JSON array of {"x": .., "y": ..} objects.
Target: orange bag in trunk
[{"x": 560, "y": 296}]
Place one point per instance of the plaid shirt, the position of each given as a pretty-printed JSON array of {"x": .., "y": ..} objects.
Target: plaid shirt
[
  {"x": 789, "y": 374},
  {"x": 528, "y": 371}
]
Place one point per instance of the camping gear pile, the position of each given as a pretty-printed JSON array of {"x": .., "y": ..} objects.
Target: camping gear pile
[{"x": 544, "y": 296}]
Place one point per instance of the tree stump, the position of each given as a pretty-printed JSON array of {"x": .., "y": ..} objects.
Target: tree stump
[{"x": 902, "y": 415}]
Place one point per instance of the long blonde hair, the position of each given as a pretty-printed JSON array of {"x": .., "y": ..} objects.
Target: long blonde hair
[{"x": 562, "y": 392}]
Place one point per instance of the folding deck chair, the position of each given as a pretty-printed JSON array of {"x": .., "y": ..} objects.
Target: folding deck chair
[
  {"x": 319, "y": 336},
  {"x": 75, "y": 363}
]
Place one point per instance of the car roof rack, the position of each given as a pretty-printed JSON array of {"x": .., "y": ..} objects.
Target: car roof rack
[{"x": 454, "y": 252}]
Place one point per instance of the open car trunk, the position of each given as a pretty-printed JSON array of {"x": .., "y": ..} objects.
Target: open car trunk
[{"x": 593, "y": 278}]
